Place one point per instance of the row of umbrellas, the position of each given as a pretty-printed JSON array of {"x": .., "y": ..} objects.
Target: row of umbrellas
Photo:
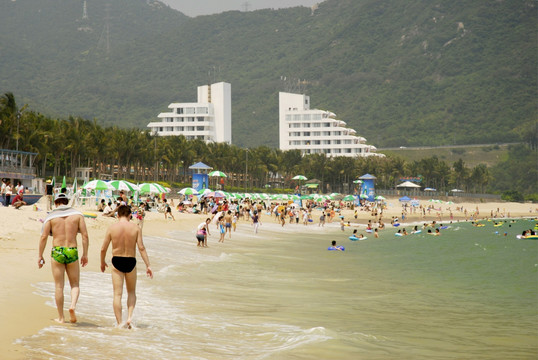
[
  {"x": 123, "y": 185},
  {"x": 188, "y": 191}
]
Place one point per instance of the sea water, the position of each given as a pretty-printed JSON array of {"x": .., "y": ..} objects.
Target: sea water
[{"x": 471, "y": 293}]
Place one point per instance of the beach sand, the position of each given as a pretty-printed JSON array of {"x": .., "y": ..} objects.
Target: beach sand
[{"x": 24, "y": 313}]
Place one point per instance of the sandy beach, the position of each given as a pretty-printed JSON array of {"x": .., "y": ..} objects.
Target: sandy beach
[{"x": 25, "y": 313}]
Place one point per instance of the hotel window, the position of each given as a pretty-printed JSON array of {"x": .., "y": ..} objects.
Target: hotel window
[
  {"x": 200, "y": 118},
  {"x": 306, "y": 125},
  {"x": 161, "y": 128},
  {"x": 316, "y": 117},
  {"x": 338, "y": 142},
  {"x": 296, "y": 125},
  {"x": 327, "y": 151},
  {"x": 316, "y": 133},
  {"x": 336, "y": 151},
  {"x": 306, "y": 117},
  {"x": 201, "y": 110},
  {"x": 189, "y": 110},
  {"x": 306, "y": 133},
  {"x": 337, "y": 133},
  {"x": 190, "y": 119},
  {"x": 348, "y": 151},
  {"x": 288, "y": 117},
  {"x": 326, "y": 142},
  {"x": 316, "y": 125},
  {"x": 296, "y": 117},
  {"x": 190, "y": 128},
  {"x": 317, "y": 142},
  {"x": 347, "y": 141},
  {"x": 295, "y": 133},
  {"x": 326, "y": 133},
  {"x": 325, "y": 124},
  {"x": 200, "y": 128},
  {"x": 179, "y": 111}
]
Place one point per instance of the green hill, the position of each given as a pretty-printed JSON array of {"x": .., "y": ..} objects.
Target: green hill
[{"x": 399, "y": 72}]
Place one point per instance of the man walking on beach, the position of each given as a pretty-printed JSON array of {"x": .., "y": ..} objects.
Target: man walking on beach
[
  {"x": 64, "y": 223},
  {"x": 125, "y": 236}
]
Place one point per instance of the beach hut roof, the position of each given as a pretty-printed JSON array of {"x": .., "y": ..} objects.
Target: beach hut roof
[
  {"x": 200, "y": 166},
  {"x": 367, "y": 177}
]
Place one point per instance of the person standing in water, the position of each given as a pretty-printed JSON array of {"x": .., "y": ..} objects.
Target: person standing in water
[
  {"x": 64, "y": 223},
  {"x": 125, "y": 237}
]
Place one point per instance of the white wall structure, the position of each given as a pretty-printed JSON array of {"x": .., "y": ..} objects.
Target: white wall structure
[
  {"x": 316, "y": 131},
  {"x": 209, "y": 119}
]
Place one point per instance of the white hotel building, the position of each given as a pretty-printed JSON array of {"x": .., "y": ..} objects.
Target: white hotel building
[
  {"x": 317, "y": 131},
  {"x": 209, "y": 119}
]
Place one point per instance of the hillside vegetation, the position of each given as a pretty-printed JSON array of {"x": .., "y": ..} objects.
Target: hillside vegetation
[{"x": 415, "y": 72}]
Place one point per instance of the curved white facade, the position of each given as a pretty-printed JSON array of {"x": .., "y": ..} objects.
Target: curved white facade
[
  {"x": 209, "y": 119},
  {"x": 317, "y": 131}
]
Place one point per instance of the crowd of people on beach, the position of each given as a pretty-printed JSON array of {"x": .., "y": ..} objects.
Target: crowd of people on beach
[{"x": 222, "y": 216}]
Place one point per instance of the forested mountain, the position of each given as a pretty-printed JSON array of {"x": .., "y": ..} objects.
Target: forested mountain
[{"x": 399, "y": 72}]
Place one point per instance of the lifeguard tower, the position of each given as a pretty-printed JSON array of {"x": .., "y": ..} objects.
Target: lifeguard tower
[{"x": 200, "y": 177}]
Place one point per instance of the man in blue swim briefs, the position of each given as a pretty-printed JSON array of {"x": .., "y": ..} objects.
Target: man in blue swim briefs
[
  {"x": 64, "y": 223},
  {"x": 125, "y": 236}
]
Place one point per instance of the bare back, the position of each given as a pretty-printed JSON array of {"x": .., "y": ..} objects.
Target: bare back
[
  {"x": 124, "y": 237},
  {"x": 65, "y": 229}
]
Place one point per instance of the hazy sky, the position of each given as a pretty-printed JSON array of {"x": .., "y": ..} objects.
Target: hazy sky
[{"x": 206, "y": 7}]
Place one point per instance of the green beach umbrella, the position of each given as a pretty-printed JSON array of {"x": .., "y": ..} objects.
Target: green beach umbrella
[
  {"x": 299, "y": 177},
  {"x": 379, "y": 197},
  {"x": 217, "y": 173},
  {"x": 188, "y": 191},
  {"x": 98, "y": 185},
  {"x": 357, "y": 181},
  {"x": 349, "y": 198},
  {"x": 75, "y": 185},
  {"x": 162, "y": 188},
  {"x": 64, "y": 184},
  {"x": 205, "y": 192},
  {"x": 123, "y": 185},
  {"x": 149, "y": 188}
]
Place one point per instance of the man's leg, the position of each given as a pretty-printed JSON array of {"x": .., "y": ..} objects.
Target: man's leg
[
  {"x": 130, "y": 285},
  {"x": 58, "y": 271},
  {"x": 73, "y": 274},
  {"x": 117, "y": 284}
]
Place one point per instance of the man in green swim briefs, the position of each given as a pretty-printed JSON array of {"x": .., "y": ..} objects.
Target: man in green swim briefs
[{"x": 64, "y": 223}]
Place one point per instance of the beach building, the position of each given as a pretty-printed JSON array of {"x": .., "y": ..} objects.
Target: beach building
[
  {"x": 315, "y": 131},
  {"x": 209, "y": 119}
]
